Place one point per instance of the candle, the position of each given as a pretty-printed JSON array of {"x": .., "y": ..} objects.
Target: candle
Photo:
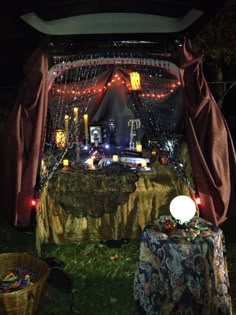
[
  {"x": 66, "y": 126},
  {"x": 115, "y": 158},
  {"x": 65, "y": 162},
  {"x": 90, "y": 164},
  {"x": 86, "y": 125},
  {"x": 139, "y": 147},
  {"x": 143, "y": 163},
  {"x": 76, "y": 116}
]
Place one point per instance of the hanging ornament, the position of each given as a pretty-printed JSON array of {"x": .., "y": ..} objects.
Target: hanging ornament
[{"x": 163, "y": 160}]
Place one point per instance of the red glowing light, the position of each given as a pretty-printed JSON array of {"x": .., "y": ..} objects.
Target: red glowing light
[
  {"x": 33, "y": 202},
  {"x": 198, "y": 200}
]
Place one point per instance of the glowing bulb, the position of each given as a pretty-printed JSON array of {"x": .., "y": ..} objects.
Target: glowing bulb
[
  {"x": 182, "y": 208},
  {"x": 33, "y": 202},
  {"x": 198, "y": 200}
]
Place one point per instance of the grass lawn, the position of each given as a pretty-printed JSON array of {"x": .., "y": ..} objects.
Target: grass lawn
[{"x": 103, "y": 276}]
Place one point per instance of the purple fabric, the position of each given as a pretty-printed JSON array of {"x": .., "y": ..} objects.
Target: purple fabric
[
  {"x": 212, "y": 152},
  {"x": 23, "y": 141}
]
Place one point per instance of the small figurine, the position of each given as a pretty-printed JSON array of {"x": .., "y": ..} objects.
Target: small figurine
[{"x": 134, "y": 125}]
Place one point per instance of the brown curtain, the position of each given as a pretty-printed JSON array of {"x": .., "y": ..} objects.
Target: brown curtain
[
  {"x": 210, "y": 144},
  {"x": 23, "y": 141}
]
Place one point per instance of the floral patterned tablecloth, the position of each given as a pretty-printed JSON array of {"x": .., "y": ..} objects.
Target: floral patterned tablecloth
[{"x": 183, "y": 272}]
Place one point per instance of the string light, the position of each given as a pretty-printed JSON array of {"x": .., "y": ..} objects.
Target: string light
[
  {"x": 74, "y": 81},
  {"x": 93, "y": 91}
]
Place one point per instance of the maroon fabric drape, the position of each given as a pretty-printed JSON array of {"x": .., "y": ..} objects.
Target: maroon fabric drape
[
  {"x": 23, "y": 141},
  {"x": 210, "y": 144}
]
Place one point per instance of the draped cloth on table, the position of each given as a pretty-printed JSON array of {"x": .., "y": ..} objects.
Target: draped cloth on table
[
  {"x": 23, "y": 140},
  {"x": 92, "y": 214},
  {"x": 211, "y": 149},
  {"x": 108, "y": 188}
]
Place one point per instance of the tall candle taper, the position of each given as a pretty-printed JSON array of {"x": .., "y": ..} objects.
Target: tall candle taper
[
  {"x": 77, "y": 145},
  {"x": 66, "y": 127},
  {"x": 86, "y": 126},
  {"x": 76, "y": 116}
]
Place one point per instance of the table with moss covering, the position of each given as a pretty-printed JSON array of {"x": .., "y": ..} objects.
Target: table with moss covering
[{"x": 106, "y": 204}]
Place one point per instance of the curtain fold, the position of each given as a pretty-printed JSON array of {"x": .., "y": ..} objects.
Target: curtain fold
[
  {"x": 23, "y": 140},
  {"x": 210, "y": 144}
]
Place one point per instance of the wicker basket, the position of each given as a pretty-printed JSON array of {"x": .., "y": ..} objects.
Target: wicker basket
[{"x": 24, "y": 301}]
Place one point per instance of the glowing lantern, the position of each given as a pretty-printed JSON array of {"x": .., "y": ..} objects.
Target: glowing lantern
[
  {"x": 60, "y": 138},
  {"x": 135, "y": 81}
]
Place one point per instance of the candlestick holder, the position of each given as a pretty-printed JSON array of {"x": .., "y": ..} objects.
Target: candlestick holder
[
  {"x": 86, "y": 141},
  {"x": 77, "y": 149}
]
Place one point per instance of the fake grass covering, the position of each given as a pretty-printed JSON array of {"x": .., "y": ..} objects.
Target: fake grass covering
[{"x": 102, "y": 276}]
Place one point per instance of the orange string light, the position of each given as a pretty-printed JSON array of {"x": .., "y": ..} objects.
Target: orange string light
[{"x": 115, "y": 79}]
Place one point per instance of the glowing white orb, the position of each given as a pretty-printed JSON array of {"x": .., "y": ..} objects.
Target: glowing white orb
[{"x": 182, "y": 208}]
